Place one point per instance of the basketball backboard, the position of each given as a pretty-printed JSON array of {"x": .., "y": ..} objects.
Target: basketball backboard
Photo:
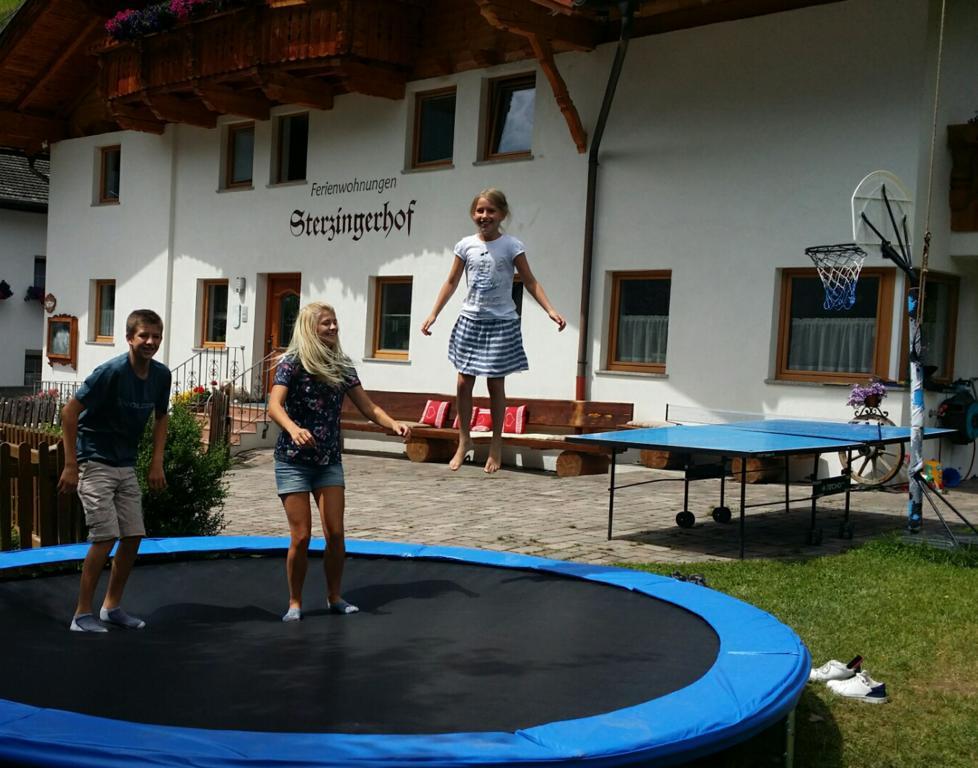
[{"x": 893, "y": 223}]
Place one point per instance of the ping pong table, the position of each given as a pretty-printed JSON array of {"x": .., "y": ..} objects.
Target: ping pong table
[{"x": 719, "y": 444}]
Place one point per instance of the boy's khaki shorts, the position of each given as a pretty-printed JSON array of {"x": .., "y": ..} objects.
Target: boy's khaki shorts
[{"x": 112, "y": 501}]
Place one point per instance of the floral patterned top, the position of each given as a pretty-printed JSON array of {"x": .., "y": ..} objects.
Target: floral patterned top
[{"x": 313, "y": 405}]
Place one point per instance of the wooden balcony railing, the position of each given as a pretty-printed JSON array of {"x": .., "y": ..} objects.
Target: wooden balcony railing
[{"x": 272, "y": 53}]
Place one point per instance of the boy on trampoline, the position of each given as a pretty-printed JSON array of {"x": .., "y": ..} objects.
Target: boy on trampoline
[
  {"x": 102, "y": 425},
  {"x": 486, "y": 340},
  {"x": 306, "y": 400}
]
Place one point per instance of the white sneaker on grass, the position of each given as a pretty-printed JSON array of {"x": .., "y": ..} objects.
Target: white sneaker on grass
[
  {"x": 860, "y": 687},
  {"x": 831, "y": 670}
]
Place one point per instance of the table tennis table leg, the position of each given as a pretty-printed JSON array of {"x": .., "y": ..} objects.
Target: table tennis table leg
[
  {"x": 743, "y": 501},
  {"x": 845, "y": 528},
  {"x": 787, "y": 484},
  {"x": 686, "y": 492},
  {"x": 814, "y": 536},
  {"x": 611, "y": 492}
]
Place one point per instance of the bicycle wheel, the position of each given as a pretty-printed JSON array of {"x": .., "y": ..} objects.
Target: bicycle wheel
[{"x": 875, "y": 464}]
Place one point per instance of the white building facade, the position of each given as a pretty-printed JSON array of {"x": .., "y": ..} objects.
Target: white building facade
[
  {"x": 23, "y": 243},
  {"x": 729, "y": 149}
]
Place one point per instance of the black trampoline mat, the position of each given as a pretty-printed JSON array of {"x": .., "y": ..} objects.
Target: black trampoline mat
[{"x": 438, "y": 647}]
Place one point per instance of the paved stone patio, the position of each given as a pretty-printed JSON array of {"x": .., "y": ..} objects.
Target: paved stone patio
[{"x": 534, "y": 512}]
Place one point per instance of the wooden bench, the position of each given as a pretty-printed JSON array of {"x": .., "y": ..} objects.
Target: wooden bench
[{"x": 548, "y": 421}]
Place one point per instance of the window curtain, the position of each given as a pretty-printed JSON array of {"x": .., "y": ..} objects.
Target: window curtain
[
  {"x": 832, "y": 344},
  {"x": 642, "y": 338}
]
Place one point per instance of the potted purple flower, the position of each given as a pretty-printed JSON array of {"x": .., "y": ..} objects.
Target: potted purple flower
[{"x": 867, "y": 396}]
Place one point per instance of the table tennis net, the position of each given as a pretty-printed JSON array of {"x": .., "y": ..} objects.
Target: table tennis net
[{"x": 687, "y": 414}]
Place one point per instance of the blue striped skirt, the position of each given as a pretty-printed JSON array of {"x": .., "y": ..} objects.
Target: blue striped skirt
[{"x": 491, "y": 348}]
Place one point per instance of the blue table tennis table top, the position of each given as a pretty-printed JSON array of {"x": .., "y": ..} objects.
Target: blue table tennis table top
[{"x": 768, "y": 437}]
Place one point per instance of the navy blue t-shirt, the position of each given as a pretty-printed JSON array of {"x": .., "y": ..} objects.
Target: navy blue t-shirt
[{"x": 117, "y": 406}]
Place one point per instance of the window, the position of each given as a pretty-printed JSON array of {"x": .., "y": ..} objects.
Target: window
[
  {"x": 434, "y": 129},
  {"x": 62, "y": 340},
  {"x": 240, "y": 155},
  {"x": 32, "y": 367},
  {"x": 293, "y": 143},
  {"x": 40, "y": 272},
  {"x": 639, "y": 321},
  {"x": 215, "y": 313},
  {"x": 510, "y": 129},
  {"x": 817, "y": 344},
  {"x": 392, "y": 319},
  {"x": 938, "y": 329},
  {"x": 104, "y": 310},
  {"x": 108, "y": 186}
]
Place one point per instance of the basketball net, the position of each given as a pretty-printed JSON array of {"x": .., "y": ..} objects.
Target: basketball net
[{"x": 839, "y": 267}]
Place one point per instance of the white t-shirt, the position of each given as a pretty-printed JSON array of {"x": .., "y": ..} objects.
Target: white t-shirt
[{"x": 489, "y": 273}]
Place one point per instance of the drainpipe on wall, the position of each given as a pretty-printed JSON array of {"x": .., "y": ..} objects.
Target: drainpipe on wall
[
  {"x": 170, "y": 240},
  {"x": 627, "y": 10}
]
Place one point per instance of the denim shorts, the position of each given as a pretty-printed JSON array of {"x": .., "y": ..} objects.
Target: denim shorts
[{"x": 305, "y": 478}]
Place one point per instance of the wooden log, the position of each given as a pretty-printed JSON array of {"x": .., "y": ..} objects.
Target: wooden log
[
  {"x": 573, "y": 464},
  {"x": 660, "y": 459},
  {"x": 430, "y": 450},
  {"x": 758, "y": 470}
]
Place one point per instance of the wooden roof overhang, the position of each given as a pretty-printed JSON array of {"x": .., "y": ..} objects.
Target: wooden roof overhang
[
  {"x": 61, "y": 76},
  {"x": 47, "y": 73}
]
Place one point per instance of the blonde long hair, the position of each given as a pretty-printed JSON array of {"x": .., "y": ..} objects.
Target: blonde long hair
[{"x": 328, "y": 364}]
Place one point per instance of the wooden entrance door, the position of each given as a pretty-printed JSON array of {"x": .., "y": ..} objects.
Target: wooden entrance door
[{"x": 282, "y": 309}]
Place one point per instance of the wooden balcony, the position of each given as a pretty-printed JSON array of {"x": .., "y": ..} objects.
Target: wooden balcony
[{"x": 247, "y": 60}]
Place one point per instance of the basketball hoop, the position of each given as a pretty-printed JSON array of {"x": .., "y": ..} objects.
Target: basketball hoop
[{"x": 839, "y": 267}]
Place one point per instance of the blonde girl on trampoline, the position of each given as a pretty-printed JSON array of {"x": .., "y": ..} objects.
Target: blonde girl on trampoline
[
  {"x": 486, "y": 340},
  {"x": 311, "y": 380}
]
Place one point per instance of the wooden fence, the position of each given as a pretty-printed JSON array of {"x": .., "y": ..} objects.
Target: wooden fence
[
  {"x": 29, "y": 498},
  {"x": 37, "y": 411},
  {"x": 12, "y": 433}
]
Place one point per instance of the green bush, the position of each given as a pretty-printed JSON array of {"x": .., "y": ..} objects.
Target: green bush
[{"x": 192, "y": 503}]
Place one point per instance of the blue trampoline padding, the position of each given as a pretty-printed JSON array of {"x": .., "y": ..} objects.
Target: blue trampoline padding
[{"x": 761, "y": 669}]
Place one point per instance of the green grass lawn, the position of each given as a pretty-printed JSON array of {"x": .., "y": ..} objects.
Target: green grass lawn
[{"x": 912, "y": 613}]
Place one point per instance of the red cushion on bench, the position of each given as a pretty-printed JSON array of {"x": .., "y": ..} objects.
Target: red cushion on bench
[
  {"x": 475, "y": 412},
  {"x": 483, "y": 420},
  {"x": 435, "y": 412},
  {"x": 515, "y": 420}
]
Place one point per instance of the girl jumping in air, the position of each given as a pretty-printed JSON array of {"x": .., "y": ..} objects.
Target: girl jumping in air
[
  {"x": 311, "y": 380},
  {"x": 486, "y": 340}
]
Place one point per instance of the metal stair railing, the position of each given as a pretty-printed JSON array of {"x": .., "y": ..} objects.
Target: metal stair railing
[
  {"x": 248, "y": 396},
  {"x": 207, "y": 369},
  {"x": 63, "y": 391}
]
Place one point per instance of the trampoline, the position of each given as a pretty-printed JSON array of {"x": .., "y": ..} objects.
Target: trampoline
[{"x": 458, "y": 657}]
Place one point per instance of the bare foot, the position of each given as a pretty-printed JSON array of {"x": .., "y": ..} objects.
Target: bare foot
[
  {"x": 495, "y": 460},
  {"x": 459, "y": 458}
]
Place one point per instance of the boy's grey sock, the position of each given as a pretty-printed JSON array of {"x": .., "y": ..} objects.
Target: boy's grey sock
[
  {"x": 120, "y": 618},
  {"x": 342, "y": 607},
  {"x": 85, "y": 622},
  {"x": 293, "y": 614}
]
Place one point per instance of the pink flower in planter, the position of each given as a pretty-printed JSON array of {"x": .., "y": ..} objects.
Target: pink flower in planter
[
  {"x": 184, "y": 9},
  {"x": 115, "y": 25}
]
